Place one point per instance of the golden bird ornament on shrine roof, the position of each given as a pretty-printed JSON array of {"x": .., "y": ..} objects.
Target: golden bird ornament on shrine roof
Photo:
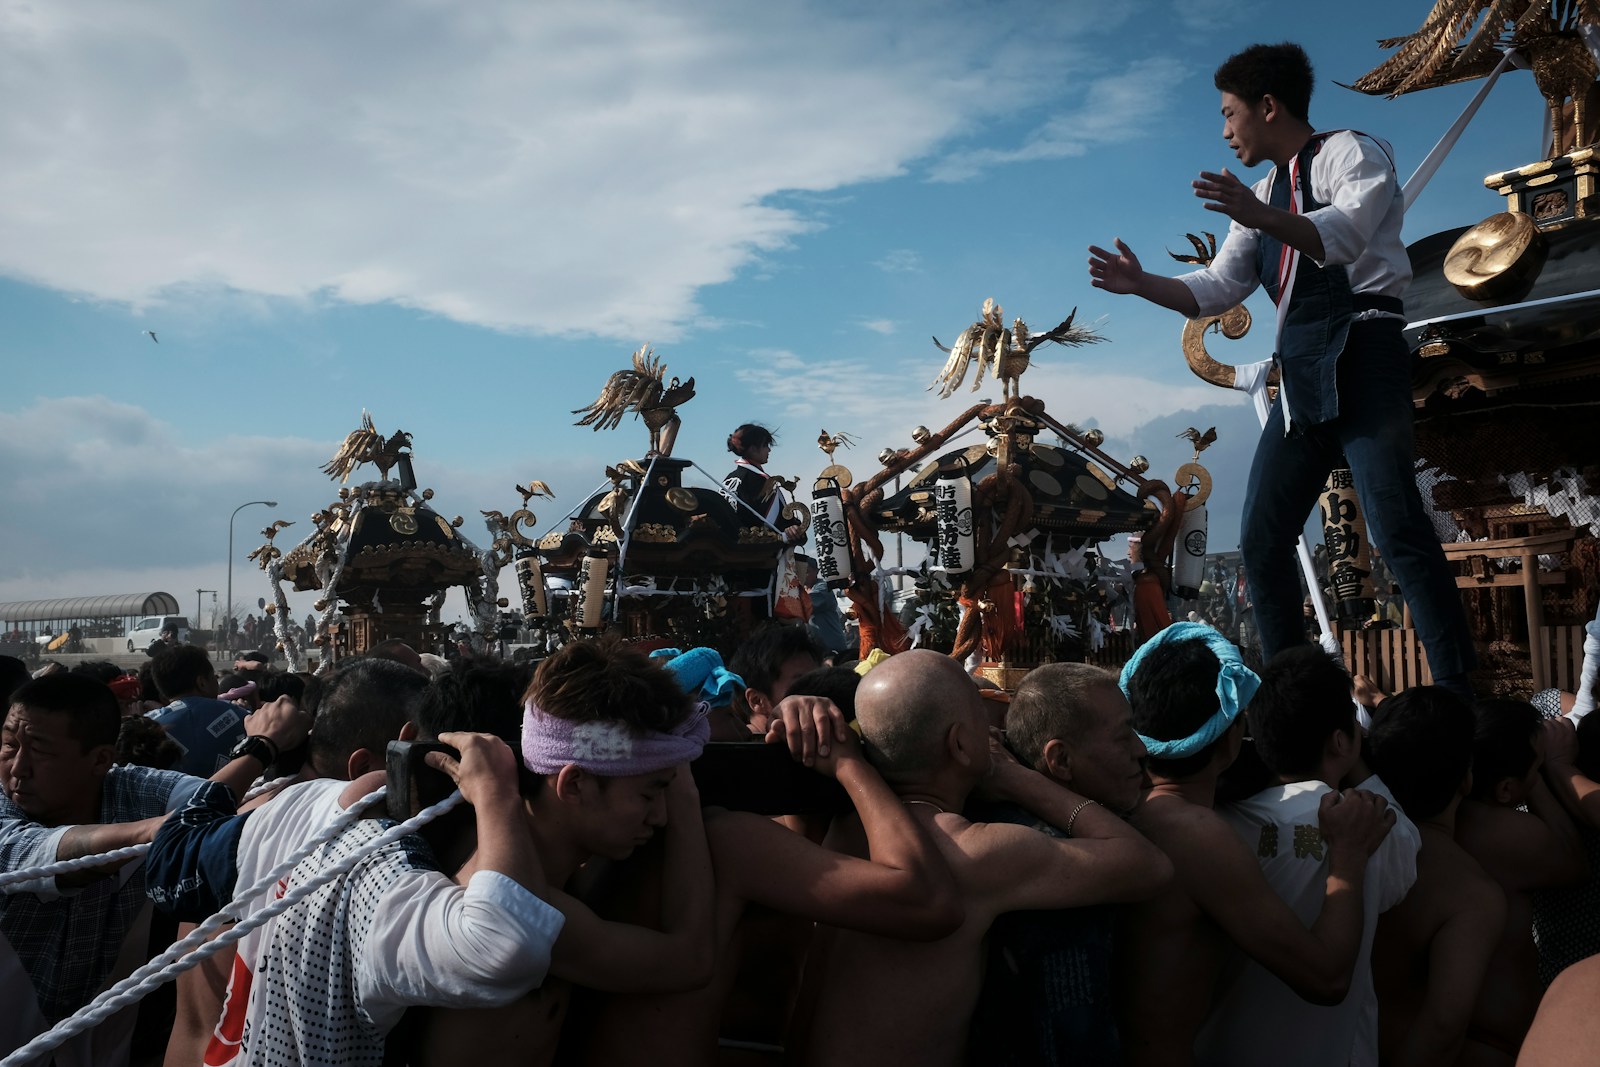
[
  {"x": 642, "y": 389},
  {"x": 1003, "y": 352},
  {"x": 831, "y": 442},
  {"x": 366, "y": 445},
  {"x": 1465, "y": 39}
]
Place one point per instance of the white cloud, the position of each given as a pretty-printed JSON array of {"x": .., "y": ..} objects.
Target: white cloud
[
  {"x": 899, "y": 261},
  {"x": 882, "y": 326},
  {"x": 560, "y": 167},
  {"x": 1114, "y": 109}
]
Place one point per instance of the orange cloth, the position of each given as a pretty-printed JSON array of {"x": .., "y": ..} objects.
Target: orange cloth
[{"x": 1150, "y": 615}]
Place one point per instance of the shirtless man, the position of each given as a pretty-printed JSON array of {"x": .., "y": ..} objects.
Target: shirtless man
[
  {"x": 926, "y": 730},
  {"x": 1047, "y": 987},
  {"x": 1187, "y": 688},
  {"x": 1523, "y": 851},
  {"x": 606, "y": 738},
  {"x": 1433, "y": 948},
  {"x": 772, "y": 885}
]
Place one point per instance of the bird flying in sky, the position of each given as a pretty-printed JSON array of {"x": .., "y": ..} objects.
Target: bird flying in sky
[{"x": 152, "y": 335}]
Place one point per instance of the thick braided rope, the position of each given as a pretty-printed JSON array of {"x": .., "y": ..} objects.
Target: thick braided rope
[
  {"x": 263, "y": 788},
  {"x": 48, "y": 870},
  {"x": 166, "y": 967}
]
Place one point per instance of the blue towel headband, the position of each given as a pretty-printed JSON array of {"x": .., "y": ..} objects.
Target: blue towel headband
[
  {"x": 1236, "y": 684},
  {"x": 702, "y": 675}
]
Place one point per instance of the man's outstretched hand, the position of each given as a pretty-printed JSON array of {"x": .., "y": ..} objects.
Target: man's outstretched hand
[
  {"x": 1225, "y": 193},
  {"x": 1115, "y": 272}
]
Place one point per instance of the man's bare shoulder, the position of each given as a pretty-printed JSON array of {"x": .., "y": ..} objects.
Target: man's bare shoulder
[
  {"x": 1181, "y": 826},
  {"x": 1451, "y": 885}
]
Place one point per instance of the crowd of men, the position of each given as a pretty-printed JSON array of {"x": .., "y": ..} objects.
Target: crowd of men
[{"x": 1197, "y": 862}]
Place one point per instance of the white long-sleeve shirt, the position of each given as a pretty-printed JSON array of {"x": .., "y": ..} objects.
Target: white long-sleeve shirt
[
  {"x": 1360, "y": 228},
  {"x": 324, "y": 982}
]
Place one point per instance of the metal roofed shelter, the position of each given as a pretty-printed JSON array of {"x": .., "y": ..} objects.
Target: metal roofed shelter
[{"x": 119, "y": 606}]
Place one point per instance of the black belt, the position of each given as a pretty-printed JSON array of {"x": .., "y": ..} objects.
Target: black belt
[{"x": 1375, "y": 302}]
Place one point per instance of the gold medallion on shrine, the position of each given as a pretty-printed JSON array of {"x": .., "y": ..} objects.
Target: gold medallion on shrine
[{"x": 683, "y": 499}]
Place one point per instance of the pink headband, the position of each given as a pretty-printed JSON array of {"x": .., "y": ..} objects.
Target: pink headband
[{"x": 612, "y": 749}]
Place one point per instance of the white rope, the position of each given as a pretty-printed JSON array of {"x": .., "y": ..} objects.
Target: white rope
[
  {"x": 179, "y": 958},
  {"x": 735, "y": 499},
  {"x": 627, "y": 533},
  {"x": 261, "y": 789},
  {"x": 81, "y": 863},
  {"x": 651, "y": 590},
  {"x": 568, "y": 516},
  {"x": 1420, "y": 177}
]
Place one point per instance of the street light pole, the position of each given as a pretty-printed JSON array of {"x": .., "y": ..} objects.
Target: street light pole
[
  {"x": 195, "y": 625},
  {"x": 241, "y": 507}
]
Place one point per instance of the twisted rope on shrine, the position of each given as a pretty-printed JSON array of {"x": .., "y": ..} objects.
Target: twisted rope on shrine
[
  {"x": 81, "y": 863},
  {"x": 179, "y": 957}
]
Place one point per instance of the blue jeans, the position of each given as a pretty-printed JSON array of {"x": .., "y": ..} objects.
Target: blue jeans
[{"x": 1374, "y": 434}]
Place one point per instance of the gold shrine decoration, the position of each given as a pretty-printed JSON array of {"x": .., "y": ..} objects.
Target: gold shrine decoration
[
  {"x": 1005, "y": 352},
  {"x": 366, "y": 445},
  {"x": 641, "y": 389},
  {"x": 1496, "y": 258},
  {"x": 1461, "y": 40}
]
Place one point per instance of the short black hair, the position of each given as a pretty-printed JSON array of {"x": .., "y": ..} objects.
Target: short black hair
[
  {"x": 143, "y": 742},
  {"x": 1588, "y": 761},
  {"x": 749, "y": 435},
  {"x": 363, "y": 705},
  {"x": 479, "y": 696},
  {"x": 1173, "y": 692},
  {"x": 1283, "y": 70},
  {"x": 101, "y": 670},
  {"x": 270, "y": 685},
  {"x": 760, "y": 659},
  {"x": 13, "y": 673},
  {"x": 1304, "y": 697},
  {"x": 90, "y": 705},
  {"x": 837, "y": 684},
  {"x": 1502, "y": 743},
  {"x": 1420, "y": 744},
  {"x": 175, "y": 669}
]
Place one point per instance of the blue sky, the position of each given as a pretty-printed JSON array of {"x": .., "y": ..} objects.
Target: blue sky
[{"x": 463, "y": 217}]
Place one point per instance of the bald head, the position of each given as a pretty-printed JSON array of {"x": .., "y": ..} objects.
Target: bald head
[{"x": 906, "y": 706}]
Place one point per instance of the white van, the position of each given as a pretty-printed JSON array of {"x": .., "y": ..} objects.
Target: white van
[{"x": 147, "y": 629}]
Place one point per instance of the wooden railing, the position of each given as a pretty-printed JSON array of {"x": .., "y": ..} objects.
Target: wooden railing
[{"x": 1394, "y": 659}]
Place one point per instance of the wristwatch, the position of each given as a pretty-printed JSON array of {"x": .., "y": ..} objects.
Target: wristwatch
[{"x": 258, "y": 746}]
